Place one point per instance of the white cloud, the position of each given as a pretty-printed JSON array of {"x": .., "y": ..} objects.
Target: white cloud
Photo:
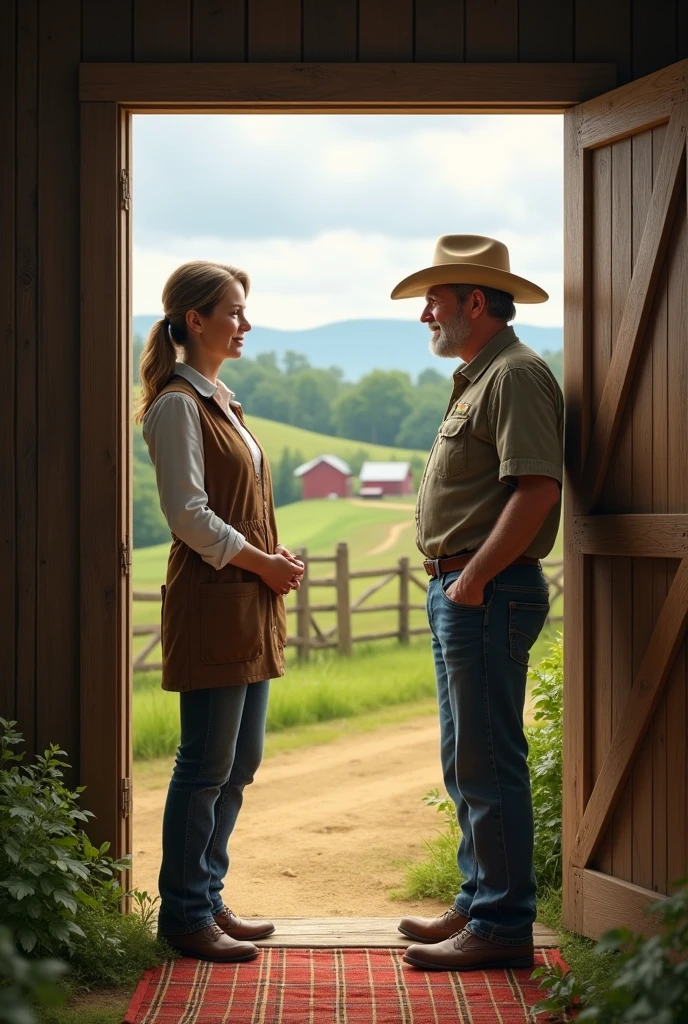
[
  {"x": 328, "y": 212},
  {"x": 342, "y": 275}
]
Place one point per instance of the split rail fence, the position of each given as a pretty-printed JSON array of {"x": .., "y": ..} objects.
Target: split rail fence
[{"x": 309, "y": 634}]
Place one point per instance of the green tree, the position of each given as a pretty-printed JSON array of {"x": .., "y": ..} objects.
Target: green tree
[
  {"x": 419, "y": 428},
  {"x": 310, "y": 401},
  {"x": 270, "y": 400},
  {"x": 286, "y": 488},
  {"x": 374, "y": 409}
]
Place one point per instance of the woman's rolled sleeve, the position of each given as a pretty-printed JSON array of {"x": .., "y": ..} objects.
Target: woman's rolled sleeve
[{"x": 172, "y": 431}]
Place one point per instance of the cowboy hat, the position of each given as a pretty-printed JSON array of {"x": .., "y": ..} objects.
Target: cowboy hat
[{"x": 470, "y": 259}]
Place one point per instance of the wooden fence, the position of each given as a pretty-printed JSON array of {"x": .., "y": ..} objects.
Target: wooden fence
[{"x": 310, "y": 635}]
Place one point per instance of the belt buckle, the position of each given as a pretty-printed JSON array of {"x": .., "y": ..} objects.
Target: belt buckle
[{"x": 436, "y": 567}]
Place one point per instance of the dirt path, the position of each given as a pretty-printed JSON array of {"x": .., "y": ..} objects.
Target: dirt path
[
  {"x": 372, "y": 503},
  {"x": 390, "y": 540},
  {"x": 324, "y": 830}
]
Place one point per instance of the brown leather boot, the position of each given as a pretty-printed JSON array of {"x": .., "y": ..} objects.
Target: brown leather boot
[
  {"x": 238, "y": 929},
  {"x": 211, "y": 943},
  {"x": 468, "y": 952},
  {"x": 424, "y": 929}
]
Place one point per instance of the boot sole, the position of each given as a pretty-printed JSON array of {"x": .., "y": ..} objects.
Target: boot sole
[
  {"x": 424, "y": 939},
  {"x": 496, "y": 965}
]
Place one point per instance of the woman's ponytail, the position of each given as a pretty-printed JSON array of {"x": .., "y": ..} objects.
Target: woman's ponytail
[
  {"x": 198, "y": 285},
  {"x": 157, "y": 366}
]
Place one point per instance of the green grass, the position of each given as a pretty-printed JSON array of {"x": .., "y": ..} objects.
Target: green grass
[
  {"x": 276, "y": 436},
  {"x": 322, "y": 690}
]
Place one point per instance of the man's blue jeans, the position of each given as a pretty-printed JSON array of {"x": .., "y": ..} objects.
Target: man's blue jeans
[
  {"x": 222, "y": 736},
  {"x": 481, "y": 659}
]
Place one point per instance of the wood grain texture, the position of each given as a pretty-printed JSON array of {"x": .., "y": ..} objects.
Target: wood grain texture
[
  {"x": 362, "y": 86},
  {"x": 667, "y": 637},
  {"x": 639, "y": 535},
  {"x": 637, "y": 309},
  {"x": 218, "y": 30},
  {"x": 654, "y": 37},
  {"x": 385, "y": 30},
  {"x": 326, "y": 932},
  {"x": 274, "y": 30},
  {"x": 26, "y": 435},
  {"x": 577, "y": 607},
  {"x": 330, "y": 31},
  {"x": 613, "y": 901},
  {"x": 545, "y": 30},
  {"x": 440, "y": 30},
  {"x": 106, "y": 30},
  {"x": 162, "y": 32},
  {"x": 604, "y": 26},
  {"x": 8, "y": 125},
  {"x": 491, "y": 30},
  {"x": 101, "y": 668},
  {"x": 633, "y": 108},
  {"x": 57, "y": 648}
]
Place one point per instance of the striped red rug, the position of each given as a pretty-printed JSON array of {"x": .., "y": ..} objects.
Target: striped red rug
[{"x": 331, "y": 986}]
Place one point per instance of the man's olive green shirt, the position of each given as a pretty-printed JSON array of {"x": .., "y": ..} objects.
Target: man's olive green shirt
[{"x": 505, "y": 420}]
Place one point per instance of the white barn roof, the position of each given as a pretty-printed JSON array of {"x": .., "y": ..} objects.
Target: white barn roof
[
  {"x": 331, "y": 460},
  {"x": 384, "y": 472}
]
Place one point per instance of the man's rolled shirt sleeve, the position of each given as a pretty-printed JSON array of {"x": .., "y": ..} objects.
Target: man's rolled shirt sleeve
[{"x": 525, "y": 419}]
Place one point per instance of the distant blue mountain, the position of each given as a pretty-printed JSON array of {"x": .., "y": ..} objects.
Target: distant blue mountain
[{"x": 358, "y": 346}]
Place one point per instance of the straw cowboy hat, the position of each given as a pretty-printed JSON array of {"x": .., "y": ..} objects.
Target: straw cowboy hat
[{"x": 470, "y": 259}]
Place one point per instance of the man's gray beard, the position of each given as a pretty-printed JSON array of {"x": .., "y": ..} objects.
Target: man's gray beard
[{"x": 451, "y": 340}]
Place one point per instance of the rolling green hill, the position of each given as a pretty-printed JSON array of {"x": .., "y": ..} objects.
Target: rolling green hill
[{"x": 276, "y": 436}]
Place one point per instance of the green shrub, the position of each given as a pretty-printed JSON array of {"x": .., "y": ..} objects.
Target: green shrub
[
  {"x": 545, "y": 758},
  {"x": 24, "y": 983},
  {"x": 59, "y": 893},
  {"x": 649, "y": 980}
]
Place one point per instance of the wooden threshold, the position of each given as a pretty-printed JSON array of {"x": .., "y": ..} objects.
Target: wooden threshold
[{"x": 370, "y": 932}]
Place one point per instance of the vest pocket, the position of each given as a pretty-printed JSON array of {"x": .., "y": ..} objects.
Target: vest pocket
[
  {"x": 231, "y": 623},
  {"x": 451, "y": 457}
]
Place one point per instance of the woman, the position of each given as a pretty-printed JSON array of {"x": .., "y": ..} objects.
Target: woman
[{"x": 223, "y": 616}]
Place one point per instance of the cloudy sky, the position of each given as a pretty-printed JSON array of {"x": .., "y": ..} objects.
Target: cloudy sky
[{"x": 327, "y": 213}]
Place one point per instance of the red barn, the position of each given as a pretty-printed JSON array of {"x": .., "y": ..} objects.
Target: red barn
[
  {"x": 323, "y": 477},
  {"x": 391, "y": 477}
]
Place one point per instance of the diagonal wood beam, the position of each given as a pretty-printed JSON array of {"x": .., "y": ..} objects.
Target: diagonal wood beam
[
  {"x": 638, "y": 306},
  {"x": 635, "y": 718}
]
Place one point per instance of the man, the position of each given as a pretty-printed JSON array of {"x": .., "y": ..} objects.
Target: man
[{"x": 487, "y": 512}]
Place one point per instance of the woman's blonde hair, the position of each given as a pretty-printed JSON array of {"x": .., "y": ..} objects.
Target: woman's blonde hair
[{"x": 198, "y": 285}]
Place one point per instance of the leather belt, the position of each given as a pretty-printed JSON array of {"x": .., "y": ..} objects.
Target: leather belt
[{"x": 437, "y": 566}]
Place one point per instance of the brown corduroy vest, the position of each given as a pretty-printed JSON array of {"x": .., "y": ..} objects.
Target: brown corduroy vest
[{"x": 223, "y": 627}]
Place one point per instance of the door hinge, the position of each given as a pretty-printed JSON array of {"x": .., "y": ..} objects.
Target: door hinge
[
  {"x": 124, "y": 189},
  {"x": 126, "y": 797},
  {"x": 125, "y": 557}
]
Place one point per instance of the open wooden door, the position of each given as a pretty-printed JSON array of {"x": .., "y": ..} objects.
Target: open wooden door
[{"x": 626, "y": 502}]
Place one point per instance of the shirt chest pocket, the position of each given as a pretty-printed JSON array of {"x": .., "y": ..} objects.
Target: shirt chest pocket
[{"x": 451, "y": 447}]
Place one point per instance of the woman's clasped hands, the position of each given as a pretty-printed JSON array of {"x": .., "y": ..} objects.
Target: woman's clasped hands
[{"x": 284, "y": 572}]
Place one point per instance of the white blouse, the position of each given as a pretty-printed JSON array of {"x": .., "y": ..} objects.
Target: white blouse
[{"x": 172, "y": 432}]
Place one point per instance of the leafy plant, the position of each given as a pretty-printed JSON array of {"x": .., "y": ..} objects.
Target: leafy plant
[
  {"x": 649, "y": 984},
  {"x": 437, "y": 876},
  {"x": 24, "y": 982},
  {"x": 545, "y": 741},
  {"x": 49, "y": 869}
]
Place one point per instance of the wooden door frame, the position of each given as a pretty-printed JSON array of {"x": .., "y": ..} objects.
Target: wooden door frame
[{"x": 109, "y": 94}]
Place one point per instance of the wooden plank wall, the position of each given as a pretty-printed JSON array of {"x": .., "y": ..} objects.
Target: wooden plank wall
[
  {"x": 41, "y": 43},
  {"x": 647, "y": 840}
]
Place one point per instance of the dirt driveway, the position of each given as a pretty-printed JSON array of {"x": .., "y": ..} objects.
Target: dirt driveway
[{"x": 324, "y": 830}]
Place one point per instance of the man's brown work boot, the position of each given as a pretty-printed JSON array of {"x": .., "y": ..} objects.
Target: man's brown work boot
[
  {"x": 468, "y": 952},
  {"x": 424, "y": 929}
]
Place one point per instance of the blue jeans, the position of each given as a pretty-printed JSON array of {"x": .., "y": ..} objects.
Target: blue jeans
[
  {"x": 221, "y": 747},
  {"x": 481, "y": 659}
]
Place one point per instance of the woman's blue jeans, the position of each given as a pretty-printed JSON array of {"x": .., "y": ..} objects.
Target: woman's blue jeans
[
  {"x": 481, "y": 659},
  {"x": 222, "y": 736}
]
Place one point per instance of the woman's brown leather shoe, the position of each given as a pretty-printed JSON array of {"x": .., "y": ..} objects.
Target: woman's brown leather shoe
[
  {"x": 424, "y": 929},
  {"x": 211, "y": 943},
  {"x": 238, "y": 929},
  {"x": 468, "y": 952}
]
